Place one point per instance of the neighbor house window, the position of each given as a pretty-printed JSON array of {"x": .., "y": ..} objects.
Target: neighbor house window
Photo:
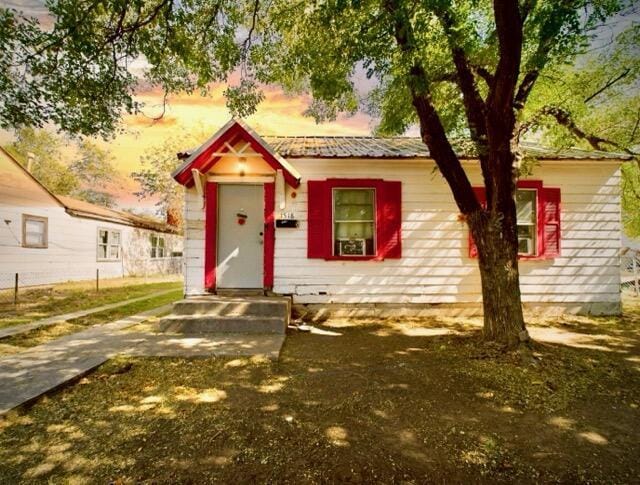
[
  {"x": 158, "y": 246},
  {"x": 108, "y": 245},
  {"x": 34, "y": 231},
  {"x": 354, "y": 224},
  {"x": 527, "y": 212}
]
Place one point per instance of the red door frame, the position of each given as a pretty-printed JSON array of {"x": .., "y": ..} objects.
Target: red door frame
[{"x": 211, "y": 235}]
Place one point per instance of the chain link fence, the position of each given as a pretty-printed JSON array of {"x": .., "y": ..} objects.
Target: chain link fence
[
  {"x": 12, "y": 285},
  {"x": 630, "y": 272}
]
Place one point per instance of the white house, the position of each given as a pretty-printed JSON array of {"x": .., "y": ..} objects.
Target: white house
[
  {"x": 46, "y": 238},
  {"x": 369, "y": 222}
]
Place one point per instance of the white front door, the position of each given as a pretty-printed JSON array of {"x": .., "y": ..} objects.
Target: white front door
[{"x": 240, "y": 236}]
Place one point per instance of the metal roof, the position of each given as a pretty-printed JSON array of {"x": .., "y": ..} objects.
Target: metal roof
[{"x": 407, "y": 147}]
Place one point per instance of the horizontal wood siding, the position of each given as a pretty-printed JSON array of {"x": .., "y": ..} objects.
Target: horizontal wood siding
[
  {"x": 71, "y": 253},
  {"x": 435, "y": 267}
]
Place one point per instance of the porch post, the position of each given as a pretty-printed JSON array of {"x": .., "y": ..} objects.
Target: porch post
[{"x": 210, "y": 236}]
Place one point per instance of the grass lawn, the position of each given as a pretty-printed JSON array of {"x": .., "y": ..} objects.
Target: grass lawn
[
  {"x": 46, "y": 301},
  {"x": 17, "y": 343},
  {"x": 368, "y": 401}
]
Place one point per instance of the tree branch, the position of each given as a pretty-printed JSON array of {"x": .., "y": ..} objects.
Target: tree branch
[
  {"x": 608, "y": 85},
  {"x": 563, "y": 117},
  {"x": 431, "y": 128}
]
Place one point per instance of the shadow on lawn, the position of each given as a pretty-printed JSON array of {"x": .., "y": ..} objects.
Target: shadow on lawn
[{"x": 364, "y": 402}]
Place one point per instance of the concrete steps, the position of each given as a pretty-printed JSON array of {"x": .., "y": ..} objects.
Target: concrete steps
[{"x": 226, "y": 314}]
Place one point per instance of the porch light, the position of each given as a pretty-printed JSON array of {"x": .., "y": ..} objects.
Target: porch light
[{"x": 242, "y": 165}]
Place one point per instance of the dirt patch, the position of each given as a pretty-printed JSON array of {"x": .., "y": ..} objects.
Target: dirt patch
[{"x": 392, "y": 401}]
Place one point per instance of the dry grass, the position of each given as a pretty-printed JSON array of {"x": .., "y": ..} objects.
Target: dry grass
[
  {"x": 393, "y": 401},
  {"x": 17, "y": 343},
  {"x": 46, "y": 301}
]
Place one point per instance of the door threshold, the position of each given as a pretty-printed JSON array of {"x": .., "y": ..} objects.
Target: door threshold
[{"x": 240, "y": 291}]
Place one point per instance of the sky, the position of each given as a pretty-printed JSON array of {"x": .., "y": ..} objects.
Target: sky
[{"x": 278, "y": 114}]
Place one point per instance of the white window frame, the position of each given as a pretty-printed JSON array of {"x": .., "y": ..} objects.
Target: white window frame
[
  {"x": 156, "y": 247},
  {"x": 528, "y": 223},
  {"x": 108, "y": 244},
  {"x": 334, "y": 221},
  {"x": 45, "y": 234}
]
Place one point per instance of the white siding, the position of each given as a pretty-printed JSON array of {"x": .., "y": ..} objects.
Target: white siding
[
  {"x": 435, "y": 267},
  {"x": 72, "y": 241},
  {"x": 193, "y": 243}
]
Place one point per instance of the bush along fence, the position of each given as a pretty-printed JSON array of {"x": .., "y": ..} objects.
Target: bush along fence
[{"x": 13, "y": 284}]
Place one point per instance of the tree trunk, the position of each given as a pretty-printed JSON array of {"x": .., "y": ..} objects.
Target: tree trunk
[{"x": 498, "y": 263}]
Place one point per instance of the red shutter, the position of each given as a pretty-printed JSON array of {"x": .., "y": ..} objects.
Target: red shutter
[
  {"x": 318, "y": 215},
  {"x": 482, "y": 199},
  {"x": 269, "y": 233},
  {"x": 389, "y": 219},
  {"x": 210, "y": 232},
  {"x": 551, "y": 221}
]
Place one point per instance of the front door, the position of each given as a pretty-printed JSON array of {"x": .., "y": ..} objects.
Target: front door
[{"x": 240, "y": 236}]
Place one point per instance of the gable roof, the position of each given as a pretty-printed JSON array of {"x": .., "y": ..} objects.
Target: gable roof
[
  {"x": 29, "y": 186},
  {"x": 408, "y": 147},
  {"x": 81, "y": 208},
  {"x": 233, "y": 131}
]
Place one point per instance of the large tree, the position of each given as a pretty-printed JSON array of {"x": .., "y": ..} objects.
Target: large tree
[{"x": 465, "y": 67}]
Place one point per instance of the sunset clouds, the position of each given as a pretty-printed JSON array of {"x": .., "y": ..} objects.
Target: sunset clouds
[{"x": 278, "y": 114}]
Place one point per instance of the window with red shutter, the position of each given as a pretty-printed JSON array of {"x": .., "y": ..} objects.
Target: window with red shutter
[
  {"x": 538, "y": 211},
  {"x": 551, "y": 218},
  {"x": 317, "y": 215},
  {"x": 357, "y": 219}
]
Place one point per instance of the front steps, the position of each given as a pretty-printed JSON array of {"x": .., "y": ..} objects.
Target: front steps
[{"x": 228, "y": 314}]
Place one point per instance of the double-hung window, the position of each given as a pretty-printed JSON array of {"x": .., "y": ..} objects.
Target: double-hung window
[
  {"x": 34, "y": 231},
  {"x": 527, "y": 213},
  {"x": 354, "y": 225},
  {"x": 109, "y": 247},
  {"x": 354, "y": 219},
  {"x": 158, "y": 246},
  {"x": 538, "y": 220}
]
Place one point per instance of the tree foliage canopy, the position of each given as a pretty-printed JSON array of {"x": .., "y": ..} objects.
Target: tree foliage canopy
[{"x": 81, "y": 172}]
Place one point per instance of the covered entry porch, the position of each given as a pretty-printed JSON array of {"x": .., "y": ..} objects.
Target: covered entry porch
[{"x": 241, "y": 186}]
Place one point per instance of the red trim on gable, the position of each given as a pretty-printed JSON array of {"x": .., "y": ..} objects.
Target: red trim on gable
[
  {"x": 269, "y": 233},
  {"x": 205, "y": 160},
  {"x": 210, "y": 235}
]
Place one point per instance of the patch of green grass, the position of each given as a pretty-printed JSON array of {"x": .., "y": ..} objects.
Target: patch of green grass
[
  {"x": 39, "y": 303},
  {"x": 42, "y": 335}
]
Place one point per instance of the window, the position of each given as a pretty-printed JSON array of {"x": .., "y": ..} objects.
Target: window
[
  {"x": 527, "y": 214},
  {"x": 538, "y": 220},
  {"x": 354, "y": 222},
  {"x": 158, "y": 249},
  {"x": 108, "y": 245},
  {"x": 354, "y": 219},
  {"x": 34, "y": 231}
]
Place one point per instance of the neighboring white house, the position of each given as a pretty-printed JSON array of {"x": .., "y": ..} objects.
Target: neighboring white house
[
  {"x": 361, "y": 220},
  {"x": 47, "y": 238}
]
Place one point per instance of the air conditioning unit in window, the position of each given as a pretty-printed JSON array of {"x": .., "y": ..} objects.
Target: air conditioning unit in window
[
  {"x": 525, "y": 245},
  {"x": 352, "y": 247}
]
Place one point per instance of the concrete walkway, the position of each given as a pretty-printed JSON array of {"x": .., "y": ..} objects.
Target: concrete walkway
[
  {"x": 31, "y": 373},
  {"x": 27, "y": 327}
]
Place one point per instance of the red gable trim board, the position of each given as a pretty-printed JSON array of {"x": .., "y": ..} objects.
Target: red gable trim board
[{"x": 234, "y": 131}]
